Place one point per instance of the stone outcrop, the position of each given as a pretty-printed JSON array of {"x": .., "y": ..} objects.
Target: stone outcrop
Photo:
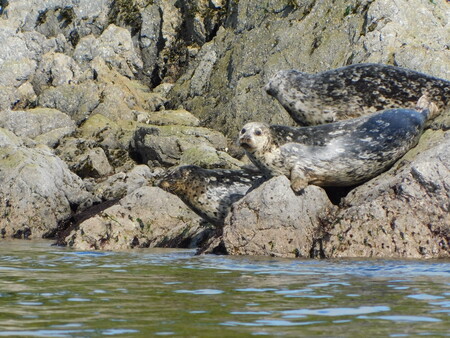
[
  {"x": 37, "y": 192},
  {"x": 147, "y": 217},
  {"x": 98, "y": 99}
]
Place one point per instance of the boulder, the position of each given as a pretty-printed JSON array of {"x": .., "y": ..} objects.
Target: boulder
[
  {"x": 273, "y": 221},
  {"x": 46, "y": 126},
  {"x": 76, "y": 100},
  {"x": 114, "y": 46},
  {"x": 37, "y": 191},
  {"x": 121, "y": 184},
  {"x": 147, "y": 217},
  {"x": 93, "y": 164},
  {"x": 164, "y": 145}
]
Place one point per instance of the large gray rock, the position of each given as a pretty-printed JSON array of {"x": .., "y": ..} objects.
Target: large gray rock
[
  {"x": 76, "y": 100},
  {"x": 46, "y": 126},
  {"x": 402, "y": 213},
  {"x": 147, "y": 217},
  {"x": 37, "y": 191},
  {"x": 272, "y": 221}
]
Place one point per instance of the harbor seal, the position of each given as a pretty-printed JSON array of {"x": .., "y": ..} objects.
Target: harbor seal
[
  {"x": 343, "y": 153},
  {"x": 209, "y": 192},
  {"x": 353, "y": 91}
]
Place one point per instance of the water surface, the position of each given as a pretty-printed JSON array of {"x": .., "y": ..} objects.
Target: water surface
[{"x": 47, "y": 291}]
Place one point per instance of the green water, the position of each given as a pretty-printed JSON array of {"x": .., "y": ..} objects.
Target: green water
[{"x": 48, "y": 291}]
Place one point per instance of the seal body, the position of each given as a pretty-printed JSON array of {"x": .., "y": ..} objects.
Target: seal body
[
  {"x": 353, "y": 91},
  {"x": 342, "y": 153},
  {"x": 209, "y": 192}
]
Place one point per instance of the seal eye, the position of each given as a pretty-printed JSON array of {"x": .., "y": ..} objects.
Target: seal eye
[
  {"x": 258, "y": 132},
  {"x": 243, "y": 131}
]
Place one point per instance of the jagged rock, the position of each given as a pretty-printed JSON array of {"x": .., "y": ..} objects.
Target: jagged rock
[
  {"x": 37, "y": 191},
  {"x": 168, "y": 117},
  {"x": 14, "y": 73},
  {"x": 114, "y": 46},
  {"x": 56, "y": 69},
  {"x": 272, "y": 221},
  {"x": 93, "y": 164},
  {"x": 29, "y": 14},
  {"x": 164, "y": 145},
  {"x": 46, "y": 126},
  {"x": 402, "y": 213},
  {"x": 76, "y": 100},
  {"x": 124, "y": 183},
  {"x": 147, "y": 217}
]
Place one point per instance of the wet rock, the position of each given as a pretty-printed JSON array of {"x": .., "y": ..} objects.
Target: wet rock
[
  {"x": 148, "y": 217},
  {"x": 37, "y": 191},
  {"x": 272, "y": 221}
]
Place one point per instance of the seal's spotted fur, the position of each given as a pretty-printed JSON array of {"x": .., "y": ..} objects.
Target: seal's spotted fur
[
  {"x": 353, "y": 91},
  {"x": 342, "y": 153},
  {"x": 209, "y": 192}
]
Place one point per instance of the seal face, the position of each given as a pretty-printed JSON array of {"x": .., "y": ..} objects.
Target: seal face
[
  {"x": 209, "y": 192},
  {"x": 353, "y": 91},
  {"x": 342, "y": 153}
]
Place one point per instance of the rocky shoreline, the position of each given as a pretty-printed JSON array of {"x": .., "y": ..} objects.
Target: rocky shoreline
[{"x": 99, "y": 99}]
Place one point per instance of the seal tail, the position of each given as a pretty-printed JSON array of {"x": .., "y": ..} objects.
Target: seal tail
[{"x": 425, "y": 106}]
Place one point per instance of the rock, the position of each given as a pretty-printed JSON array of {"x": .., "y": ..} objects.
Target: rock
[
  {"x": 272, "y": 221},
  {"x": 46, "y": 126},
  {"x": 93, "y": 164},
  {"x": 76, "y": 100},
  {"x": 56, "y": 16},
  {"x": 402, "y": 213},
  {"x": 148, "y": 217},
  {"x": 14, "y": 73},
  {"x": 56, "y": 69},
  {"x": 121, "y": 184},
  {"x": 168, "y": 117},
  {"x": 37, "y": 191},
  {"x": 208, "y": 157},
  {"x": 164, "y": 145},
  {"x": 114, "y": 46}
]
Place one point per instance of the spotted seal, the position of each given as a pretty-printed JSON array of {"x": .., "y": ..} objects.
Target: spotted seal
[
  {"x": 209, "y": 192},
  {"x": 353, "y": 91},
  {"x": 342, "y": 153}
]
